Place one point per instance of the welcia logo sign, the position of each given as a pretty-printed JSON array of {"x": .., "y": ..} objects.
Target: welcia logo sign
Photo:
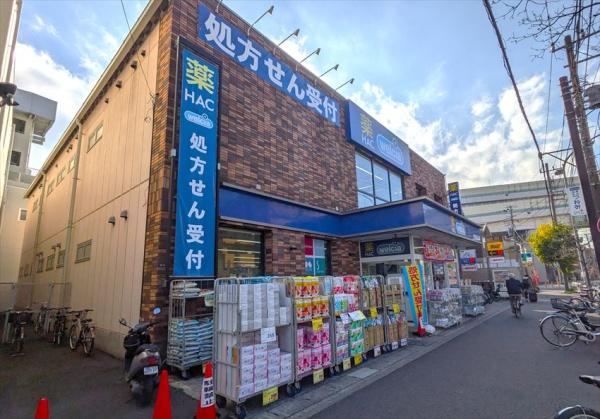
[
  {"x": 371, "y": 135},
  {"x": 201, "y": 120}
]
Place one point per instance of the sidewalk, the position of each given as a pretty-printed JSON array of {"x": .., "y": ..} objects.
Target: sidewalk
[{"x": 314, "y": 398}]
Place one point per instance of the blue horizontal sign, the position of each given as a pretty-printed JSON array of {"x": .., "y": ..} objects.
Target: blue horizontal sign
[
  {"x": 370, "y": 134},
  {"x": 197, "y": 173},
  {"x": 226, "y": 38},
  {"x": 389, "y": 247}
]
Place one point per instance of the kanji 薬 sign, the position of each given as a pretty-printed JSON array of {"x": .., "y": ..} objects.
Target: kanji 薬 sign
[
  {"x": 229, "y": 40},
  {"x": 197, "y": 172}
]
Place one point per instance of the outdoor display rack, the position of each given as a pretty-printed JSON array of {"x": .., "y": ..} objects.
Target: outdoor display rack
[
  {"x": 312, "y": 327},
  {"x": 190, "y": 335},
  {"x": 254, "y": 339},
  {"x": 444, "y": 307},
  {"x": 371, "y": 303},
  {"x": 396, "y": 326},
  {"x": 472, "y": 300}
]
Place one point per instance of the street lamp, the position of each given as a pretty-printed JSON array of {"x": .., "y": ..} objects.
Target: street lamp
[
  {"x": 295, "y": 33},
  {"x": 335, "y": 67},
  {"x": 269, "y": 11},
  {"x": 315, "y": 52},
  {"x": 351, "y": 81}
]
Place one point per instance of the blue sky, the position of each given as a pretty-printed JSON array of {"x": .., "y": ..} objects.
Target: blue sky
[{"x": 431, "y": 71}]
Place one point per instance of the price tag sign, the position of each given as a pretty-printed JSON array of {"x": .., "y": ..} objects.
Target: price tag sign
[
  {"x": 270, "y": 395},
  {"x": 357, "y": 359},
  {"x": 403, "y": 342},
  {"x": 357, "y": 315},
  {"x": 396, "y": 308},
  {"x": 394, "y": 346},
  {"x": 317, "y": 324},
  {"x": 318, "y": 376},
  {"x": 373, "y": 312},
  {"x": 267, "y": 334},
  {"x": 376, "y": 351},
  {"x": 345, "y": 318},
  {"x": 346, "y": 364}
]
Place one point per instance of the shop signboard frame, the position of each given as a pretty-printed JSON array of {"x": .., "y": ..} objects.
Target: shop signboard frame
[
  {"x": 388, "y": 247},
  {"x": 234, "y": 43},
  {"x": 495, "y": 248},
  {"x": 198, "y": 156}
]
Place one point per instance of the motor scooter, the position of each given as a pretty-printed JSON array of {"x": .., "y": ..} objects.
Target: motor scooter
[{"x": 142, "y": 360}]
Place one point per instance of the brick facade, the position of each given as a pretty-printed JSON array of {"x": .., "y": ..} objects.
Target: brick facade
[{"x": 268, "y": 142}]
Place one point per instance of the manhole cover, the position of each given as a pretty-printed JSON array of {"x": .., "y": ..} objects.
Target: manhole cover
[{"x": 362, "y": 372}]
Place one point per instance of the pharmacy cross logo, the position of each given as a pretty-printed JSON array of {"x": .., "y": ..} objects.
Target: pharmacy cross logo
[{"x": 199, "y": 75}]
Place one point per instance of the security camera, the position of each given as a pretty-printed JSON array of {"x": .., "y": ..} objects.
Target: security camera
[{"x": 7, "y": 93}]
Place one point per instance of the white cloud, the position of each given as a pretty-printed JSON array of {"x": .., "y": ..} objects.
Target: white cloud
[
  {"x": 40, "y": 25},
  {"x": 432, "y": 90},
  {"x": 497, "y": 149},
  {"x": 38, "y": 72},
  {"x": 296, "y": 47}
]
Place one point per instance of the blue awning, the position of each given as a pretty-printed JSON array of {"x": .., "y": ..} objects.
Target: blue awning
[{"x": 243, "y": 205}]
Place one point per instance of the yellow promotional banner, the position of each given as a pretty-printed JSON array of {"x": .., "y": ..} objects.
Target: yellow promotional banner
[{"x": 413, "y": 279}]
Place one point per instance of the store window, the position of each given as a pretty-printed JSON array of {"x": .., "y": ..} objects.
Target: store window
[
  {"x": 84, "y": 251},
  {"x": 376, "y": 184},
  {"x": 60, "y": 260},
  {"x": 22, "y": 214},
  {"x": 19, "y": 125},
  {"x": 72, "y": 163},
  {"x": 15, "y": 158},
  {"x": 95, "y": 136},
  {"x": 240, "y": 253},
  {"x": 35, "y": 205},
  {"x": 61, "y": 175},
  {"x": 40, "y": 263},
  {"x": 316, "y": 257},
  {"x": 50, "y": 187}
]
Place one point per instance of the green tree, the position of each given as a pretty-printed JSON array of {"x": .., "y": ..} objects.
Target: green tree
[{"x": 554, "y": 244}]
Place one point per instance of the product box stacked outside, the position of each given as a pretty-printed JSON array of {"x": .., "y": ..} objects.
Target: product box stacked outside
[
  {"x": 313, "y": 344},
  {"x": 396, "y": 325},
  {"x": 249, "y": 357},
  {"x": 349, "y": 333},
  {"x": 371, "y": 304}
]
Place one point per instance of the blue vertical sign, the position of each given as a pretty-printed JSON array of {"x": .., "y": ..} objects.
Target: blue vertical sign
[
  {"x": 197, "y": 174},
  {"x": 454, "y": 198}
]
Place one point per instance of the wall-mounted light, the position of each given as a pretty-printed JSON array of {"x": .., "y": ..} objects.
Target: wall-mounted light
[
  {"x": 335, "y": 67},
  {"x": 133, "y": 64},
  {"x": 119, "y": 84},
  {"x": 351, "y": 81},
  {"x": 268, "y": 12},
  {"x": 143, "y": 53},
  {"x": 295, "y": 33},
  {"x": 315, "y": 52},
  {"x": 106, "y": 100},
  {"x": 123, "y": 214},
  {"x": 112, "y": 220}
]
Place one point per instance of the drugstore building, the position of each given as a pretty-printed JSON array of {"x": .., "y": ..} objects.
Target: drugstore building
[{"x": 204, "y": 150}]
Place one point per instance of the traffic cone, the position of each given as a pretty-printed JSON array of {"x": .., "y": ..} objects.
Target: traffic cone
[
  {"x": 206, "y": 404},
  {"x": 162, "y": 407},
  {"x": 42, "y": 411},
  {"x": 420, "y": 329}
]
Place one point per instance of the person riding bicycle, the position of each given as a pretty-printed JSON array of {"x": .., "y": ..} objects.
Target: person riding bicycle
[
  {"x": 514, "y": 288},
  {"x": 526, "y": 286}
]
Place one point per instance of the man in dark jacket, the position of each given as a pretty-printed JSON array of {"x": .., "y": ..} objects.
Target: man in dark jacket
[{"x": 514, "y": 289}]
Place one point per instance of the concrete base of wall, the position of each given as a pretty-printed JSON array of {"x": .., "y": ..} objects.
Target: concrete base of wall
[{"x": 110, "y": 342}]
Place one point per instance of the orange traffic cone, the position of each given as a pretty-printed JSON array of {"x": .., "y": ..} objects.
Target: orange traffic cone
[
  {"x": 420, "y": 329},
  {"x": 42, "y": 411},
  {"x": 162, "y": 407},
  {"x": 206, "y": 404}
]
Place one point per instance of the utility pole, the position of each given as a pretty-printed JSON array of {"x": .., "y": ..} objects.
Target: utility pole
[
  {"x": 586, "y": 187},
  {"x": 548, "y": 179},
  {"x": 515, "y": 238}
]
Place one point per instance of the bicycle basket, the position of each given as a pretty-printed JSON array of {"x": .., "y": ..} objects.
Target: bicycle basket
[{"x": 560, "y": 304}]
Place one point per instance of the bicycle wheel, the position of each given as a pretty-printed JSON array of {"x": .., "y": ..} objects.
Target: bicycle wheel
[
  {"x": 88, "y": 341},
  {"x": 577, "y": 412},
  {"x": 73, "y": 338},
  {"x": 558, "y": 331},
  {"x": 18, "y": 341}
]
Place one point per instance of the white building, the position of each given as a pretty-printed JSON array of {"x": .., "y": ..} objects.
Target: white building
[{"x": 32, "y": 118}]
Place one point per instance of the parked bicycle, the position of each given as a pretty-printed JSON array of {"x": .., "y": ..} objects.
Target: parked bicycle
[
  {"x": 574, "y": 320},
  {"x": 60, "y": 325},
  {"x": 581, "y": 412},
  {"x": 39, "y": 324},
  {"x": 19, "y": 319},
  {"x": 82, "y": 332}
]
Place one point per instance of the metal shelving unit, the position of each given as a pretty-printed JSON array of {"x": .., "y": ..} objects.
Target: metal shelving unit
[
  {"x": 395, "y": 318},
  {"x": 190, "y": 335},
  {"x": 371, "y": 303}
]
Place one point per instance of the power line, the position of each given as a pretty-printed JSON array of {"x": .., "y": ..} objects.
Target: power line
[
  {"x": 138, "y": 56},
  {"x": 508, "y": 68}
]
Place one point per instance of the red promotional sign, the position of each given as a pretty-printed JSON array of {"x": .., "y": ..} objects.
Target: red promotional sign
[{"x": 436, "y": 251}]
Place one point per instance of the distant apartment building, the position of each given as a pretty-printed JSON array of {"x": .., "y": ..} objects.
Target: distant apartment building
[
  {"x": 524, "y": 205},
  {"x": 32, "y": 119}
]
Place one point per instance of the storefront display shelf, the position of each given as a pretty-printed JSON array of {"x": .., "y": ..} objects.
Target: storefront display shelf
[
  {"x": 253, "y": 338},
  {"x": 371, "y": 303},
  {"x": 190, "y": 327},
  {"x": 444, "y": 307},
  {"x": 396, "y": 326},
  {"x": 473, "y": 300}
]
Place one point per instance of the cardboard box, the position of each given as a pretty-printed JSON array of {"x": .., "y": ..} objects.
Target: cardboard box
[
  {"x": 246, "y": 390},
  {"x": 261, "y": 385},
  {"x": 274, "y": 380}
]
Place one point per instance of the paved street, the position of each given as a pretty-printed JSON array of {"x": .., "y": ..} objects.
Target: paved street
[
  {"x": 501, "y": 369},
  {"x": 76, "y": 386}
]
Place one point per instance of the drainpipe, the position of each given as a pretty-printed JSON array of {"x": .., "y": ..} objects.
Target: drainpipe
[
  {"x": 37, "y": 236},
  {"x": 64, "y": 275}
]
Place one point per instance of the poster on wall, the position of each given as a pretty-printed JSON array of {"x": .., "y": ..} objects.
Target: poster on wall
[
  {"x": 196, "y": 204},
  {"x": 315, "y": 259},
  {"x": 438, "y": 252},
  {"x": 415, "y": 288},
  {"x": 468, "y": 260}
]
